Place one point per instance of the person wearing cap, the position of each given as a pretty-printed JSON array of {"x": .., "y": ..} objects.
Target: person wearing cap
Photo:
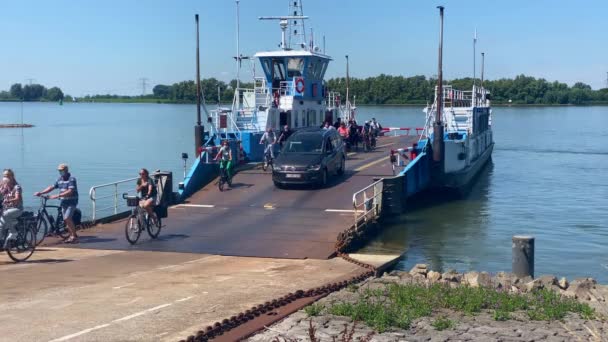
[{"x": 68, "y": 193}]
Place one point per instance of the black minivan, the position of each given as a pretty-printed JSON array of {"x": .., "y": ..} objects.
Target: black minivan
[{"x": 310, "y": 156}]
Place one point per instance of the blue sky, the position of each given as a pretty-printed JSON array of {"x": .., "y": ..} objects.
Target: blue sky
[{"x": 89, "y": 47}]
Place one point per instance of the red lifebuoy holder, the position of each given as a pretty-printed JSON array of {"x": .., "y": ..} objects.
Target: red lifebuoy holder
[
  {"x": 314, "y": 90},
  {"x": 276, "y": 98},
  {"x": 300, "y": 85}
]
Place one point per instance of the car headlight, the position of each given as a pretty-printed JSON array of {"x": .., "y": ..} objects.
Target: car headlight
[
  {"x": 276, "y": 168},
  {"x": 314, "y": 168}
]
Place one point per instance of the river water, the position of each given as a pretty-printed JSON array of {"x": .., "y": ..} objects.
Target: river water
[{"x": 548, "y": 178}]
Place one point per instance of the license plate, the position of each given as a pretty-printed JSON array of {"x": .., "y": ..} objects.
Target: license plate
[{"x": 293, "y": 175}]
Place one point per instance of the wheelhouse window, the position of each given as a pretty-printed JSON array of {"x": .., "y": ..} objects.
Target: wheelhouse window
[{"x": 295, "y": 67}]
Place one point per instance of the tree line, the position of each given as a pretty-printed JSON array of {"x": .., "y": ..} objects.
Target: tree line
[
  {"x": 393, "y": 90},
  {"x": 379, "y": 90},
  {"x": 386, "y": 90},
  {"x": 32, "y": 92}
]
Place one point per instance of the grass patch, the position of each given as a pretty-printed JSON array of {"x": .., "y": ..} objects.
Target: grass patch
[
  {"x": 442, "y": 323},
  {"x": 314, "y": 309},
  {"x": 399, "y": 305}
]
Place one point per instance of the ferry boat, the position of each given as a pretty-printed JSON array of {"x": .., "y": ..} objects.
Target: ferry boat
[
  {"x": 292, "y": 91},
  {"x": 459, "y": 130}
]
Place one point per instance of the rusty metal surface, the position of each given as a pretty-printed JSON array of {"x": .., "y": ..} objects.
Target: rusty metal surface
[{"x": 256, "y": 219}]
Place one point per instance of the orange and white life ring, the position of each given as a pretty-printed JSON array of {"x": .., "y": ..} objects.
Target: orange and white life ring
[{"x": 300, "y": 85}]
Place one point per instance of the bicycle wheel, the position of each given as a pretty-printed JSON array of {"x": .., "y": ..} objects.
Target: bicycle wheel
[
  {"x": 132, "y": 229},
  {"x": 220, "y": 184},
  {"x": 42, "y": 229},
  {"x": 60, "y": 228},
  {"x": 24, "y": 245},
  {"x": 154, "y": 227}
]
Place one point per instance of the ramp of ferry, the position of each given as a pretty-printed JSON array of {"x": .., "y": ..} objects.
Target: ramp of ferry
[{"x": 256, "y": 219}]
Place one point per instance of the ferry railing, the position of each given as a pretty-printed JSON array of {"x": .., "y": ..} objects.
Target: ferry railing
[
  {"x": 367, "y": 202},
  {"x": 110, "y": 201},
  {"x": 286, "y": 88}
]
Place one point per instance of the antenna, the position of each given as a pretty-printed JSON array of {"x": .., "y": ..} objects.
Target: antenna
[
  {"x": 284, "y": 23},
  {"x": 482, "y": 65},
  {"x": 30, "y": 80},
  {"x": 238, "y": 59},
  {"x": 347, "y": 80},
  {"x": 474, "y": 53},
  {"x": 198, "y": 77},
  {"x": 324, "y": 45}
]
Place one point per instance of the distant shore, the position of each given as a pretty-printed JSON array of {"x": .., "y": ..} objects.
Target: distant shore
[{"x": 165, "y": 101}]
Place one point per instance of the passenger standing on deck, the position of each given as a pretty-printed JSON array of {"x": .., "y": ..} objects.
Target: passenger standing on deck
[
  {"x": 284, "y": 135},
  {"x": 147, "y": 190},
  {"x": 270, "y": 139},
  {"x": 338, "y": 123},
  {"x": 68, "y": 193},
  {"x": 375, "y": 127},
  {"x": 12, "y": 203}
]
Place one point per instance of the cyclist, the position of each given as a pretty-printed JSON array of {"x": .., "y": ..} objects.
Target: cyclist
[
  {"x": 270, "y": 139},
  {"x": 366, "y": 133},
  {"x": 68, "y": 192},
  {"x": 12, "y": 203},
  {"x": 225, "y": 157},
  {"x": 147, "y": 191},
  {"x": 285, "y": 133}
]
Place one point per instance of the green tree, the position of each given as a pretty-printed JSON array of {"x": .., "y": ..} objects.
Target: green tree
[
  {"x": 54, "y": 94},
  {"x": 16, "y": 91}
]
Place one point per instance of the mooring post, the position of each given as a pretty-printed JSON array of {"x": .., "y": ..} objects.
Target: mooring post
[{"x": 523, "y": 256}]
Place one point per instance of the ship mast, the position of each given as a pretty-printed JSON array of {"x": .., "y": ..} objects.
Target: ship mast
[{"x": 438, "y": 144}]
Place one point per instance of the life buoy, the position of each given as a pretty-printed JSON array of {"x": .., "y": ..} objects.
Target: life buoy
[
  {"x": 300, "y": 85},
  {"x": 276, "y": 98}
]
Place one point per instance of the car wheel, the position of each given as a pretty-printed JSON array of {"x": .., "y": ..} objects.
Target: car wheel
[
  {"x": 278, "y": 185},
  {"x": 342, "y": 167}
]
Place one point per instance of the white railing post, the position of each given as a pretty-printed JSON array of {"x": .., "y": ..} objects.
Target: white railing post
[
  {"x": 94, "y": 207},
  {"x": 115, "y": 198}
]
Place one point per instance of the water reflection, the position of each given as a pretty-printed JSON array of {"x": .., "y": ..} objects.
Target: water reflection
[{"x": 441, "y": 229}]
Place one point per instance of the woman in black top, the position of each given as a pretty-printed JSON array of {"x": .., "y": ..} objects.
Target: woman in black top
[{"x": 147, "y": 190}]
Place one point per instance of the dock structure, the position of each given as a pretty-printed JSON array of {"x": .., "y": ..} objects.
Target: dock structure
[
  {"x": 218, "y": 254},
  {"x": 256, "y": 219}
]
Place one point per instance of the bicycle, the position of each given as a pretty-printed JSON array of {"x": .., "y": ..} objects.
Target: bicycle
[
  {"x": 224, "y": 178},
  {"x": 43, "y": 219},
  {"x": 138, "y": 219},
  {"x": 22, "y": 247},
  {"x": 268, "y": 161}
]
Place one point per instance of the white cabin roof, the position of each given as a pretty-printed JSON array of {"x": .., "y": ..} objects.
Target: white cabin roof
[{"x": 290, "y": 53}]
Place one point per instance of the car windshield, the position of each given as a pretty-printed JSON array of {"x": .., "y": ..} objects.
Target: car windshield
[{"x": 304, "y": 143}]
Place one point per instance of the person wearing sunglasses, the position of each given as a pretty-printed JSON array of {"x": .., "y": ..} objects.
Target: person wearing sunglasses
[
  {"x": 147, "y": 191},
  {"x": 68, "y": 193}
]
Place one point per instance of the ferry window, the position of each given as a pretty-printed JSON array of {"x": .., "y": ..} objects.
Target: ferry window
[
  {"x": 266, "y": 66},
  {"x": 311, "y": 68},
  {"x": 303, "y": 119},
  {"x": 324, "y": 69},
  {"x": 295, "y": 118},
  {"x": 318, "y": 69},
  {"x": 278, "y": 69},
  {"x": 295, "y": 66},
  {"x": 313, "y": 121}
]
